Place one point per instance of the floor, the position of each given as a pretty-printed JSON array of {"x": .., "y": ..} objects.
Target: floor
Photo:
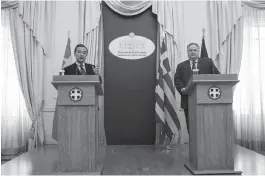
[
  {"x": 261, "y": 152},
  {"x": 128, "y": 160},
  {"x": 141, "y": 160},
  {"x": 6, "y": 158}
]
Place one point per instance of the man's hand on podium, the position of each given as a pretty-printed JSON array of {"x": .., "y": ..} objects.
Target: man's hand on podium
[
  {"x": 96, "y": 70},
  {"x": 183, "y": 89}
]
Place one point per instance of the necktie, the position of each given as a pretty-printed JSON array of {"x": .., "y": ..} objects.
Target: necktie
[
  {"x": 193, "y": 65},
  {"x": 83, "y": 72}
]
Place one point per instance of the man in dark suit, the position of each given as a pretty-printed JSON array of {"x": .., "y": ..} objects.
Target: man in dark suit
[
  {"x": 80, "y": 67},
  {"x": 184, "y": 73},
  {"x": 77, "y": 68}
]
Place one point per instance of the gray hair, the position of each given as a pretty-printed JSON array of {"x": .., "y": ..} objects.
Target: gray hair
[{"x": 193, "y": 44}]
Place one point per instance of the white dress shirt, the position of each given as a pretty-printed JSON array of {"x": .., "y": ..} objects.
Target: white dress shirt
[{"x": 196, "y": 64}]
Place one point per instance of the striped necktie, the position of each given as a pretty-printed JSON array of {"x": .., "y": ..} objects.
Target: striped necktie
[
  {"x": 83, "y": 72},
  {"x": 193, "y": 65}
]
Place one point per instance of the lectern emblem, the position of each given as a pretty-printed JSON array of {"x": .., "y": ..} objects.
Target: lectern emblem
[
  {"x": 75, "y": 94},
  {"x": 214, "y": 92}
]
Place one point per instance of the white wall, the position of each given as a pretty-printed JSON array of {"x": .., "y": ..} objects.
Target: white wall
[
  {"x": 67, "y": 20},
  {"x": 195, "y": 19}
]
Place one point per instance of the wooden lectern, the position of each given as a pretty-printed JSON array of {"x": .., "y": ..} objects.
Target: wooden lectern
[
  {"x": 211, "y": 146},
  {"x": 78, "y": 123}
]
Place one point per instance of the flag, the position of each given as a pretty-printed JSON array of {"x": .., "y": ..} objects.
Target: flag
[
  {"x": 67, "y": 55},
  {"x": 203, "y": 49},
  {"x": 165, "y": 101}
]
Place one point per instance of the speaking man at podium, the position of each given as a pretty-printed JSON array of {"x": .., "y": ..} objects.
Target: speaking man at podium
[
  {"x": 77, "y": 68},
  {"x": 80, "y": 67},
  {"x": 185, "y": 70}
]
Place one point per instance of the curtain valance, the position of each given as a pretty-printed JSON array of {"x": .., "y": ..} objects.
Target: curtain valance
[
  {"x": 11, "y": 4},
  {"x": 126, "y": 10}
]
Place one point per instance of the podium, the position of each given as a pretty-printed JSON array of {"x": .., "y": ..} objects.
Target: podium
[
  {"x": 211, "y": 146},
  {"x": 78, "y": 123}
]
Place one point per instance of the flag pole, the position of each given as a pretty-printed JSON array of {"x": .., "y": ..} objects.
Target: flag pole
[
  {"x": 203, "y": 46},
  {"x": 203, "y": 32}
]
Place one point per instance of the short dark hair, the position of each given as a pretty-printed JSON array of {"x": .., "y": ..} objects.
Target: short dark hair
[
  {"x": 81, "y": 45},
  {"x": 193, "y": 43}
]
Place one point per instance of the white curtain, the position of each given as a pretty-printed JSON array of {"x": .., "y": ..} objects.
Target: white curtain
[
  {"x": 32, "y": 34},
  {"x": 90, "y": 16},
  {"x": 225, "y": 25},
  {"x": 29, "y": 61},
  {"x": 128, "y": 10},
  {"x": 38, "y": 16},
  {"x": 9, "y": 4},
  {"x": 249, "y": 96},
  {"x": 15, "y": 121}
]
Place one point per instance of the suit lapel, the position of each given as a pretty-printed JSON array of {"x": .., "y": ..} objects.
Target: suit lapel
[
  {"x": 87, "y": 68},
  {"x": 198, "y": 64},
  {"x": 201, "y": 65},
  {"x": 187, "y": 67}
]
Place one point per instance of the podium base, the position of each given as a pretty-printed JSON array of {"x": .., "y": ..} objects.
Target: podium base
[
  {"x": 98, "y": 171},
  {"x": 210, "y": 172}
]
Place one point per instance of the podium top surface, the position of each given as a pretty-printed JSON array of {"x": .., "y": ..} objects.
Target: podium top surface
[
  {"x": 76, "y": 79},
  {"x": 230, "y": 79},
  {"x": 207, "y": 78}
]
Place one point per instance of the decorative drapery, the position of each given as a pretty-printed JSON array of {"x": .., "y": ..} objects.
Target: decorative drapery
[
  {"x": 39, "y": 18},
  {"x": 32, "y": 34},
  {"x": 11, "y": 4},
  {"x": 249, "y": 96},
  {"x": 226, "y": 33},
  {"x": 29, "y": 61},
  {"x": 15, "y": 121},
  {"x": 232, "y": 30},
  {"x": 255, "y": 4},
  {"x": 126, "y": 10},
  {"x": 90, "y": 15}
]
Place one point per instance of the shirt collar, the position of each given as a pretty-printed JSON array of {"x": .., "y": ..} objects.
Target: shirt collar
[
  {"x": 79, "y": 65},
  {"x": 196, "y": 61}
]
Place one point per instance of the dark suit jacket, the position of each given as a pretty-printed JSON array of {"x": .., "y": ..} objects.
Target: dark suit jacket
[
  {"x": 183, "y": 74},
  {"x": 74, "y": 70}
]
